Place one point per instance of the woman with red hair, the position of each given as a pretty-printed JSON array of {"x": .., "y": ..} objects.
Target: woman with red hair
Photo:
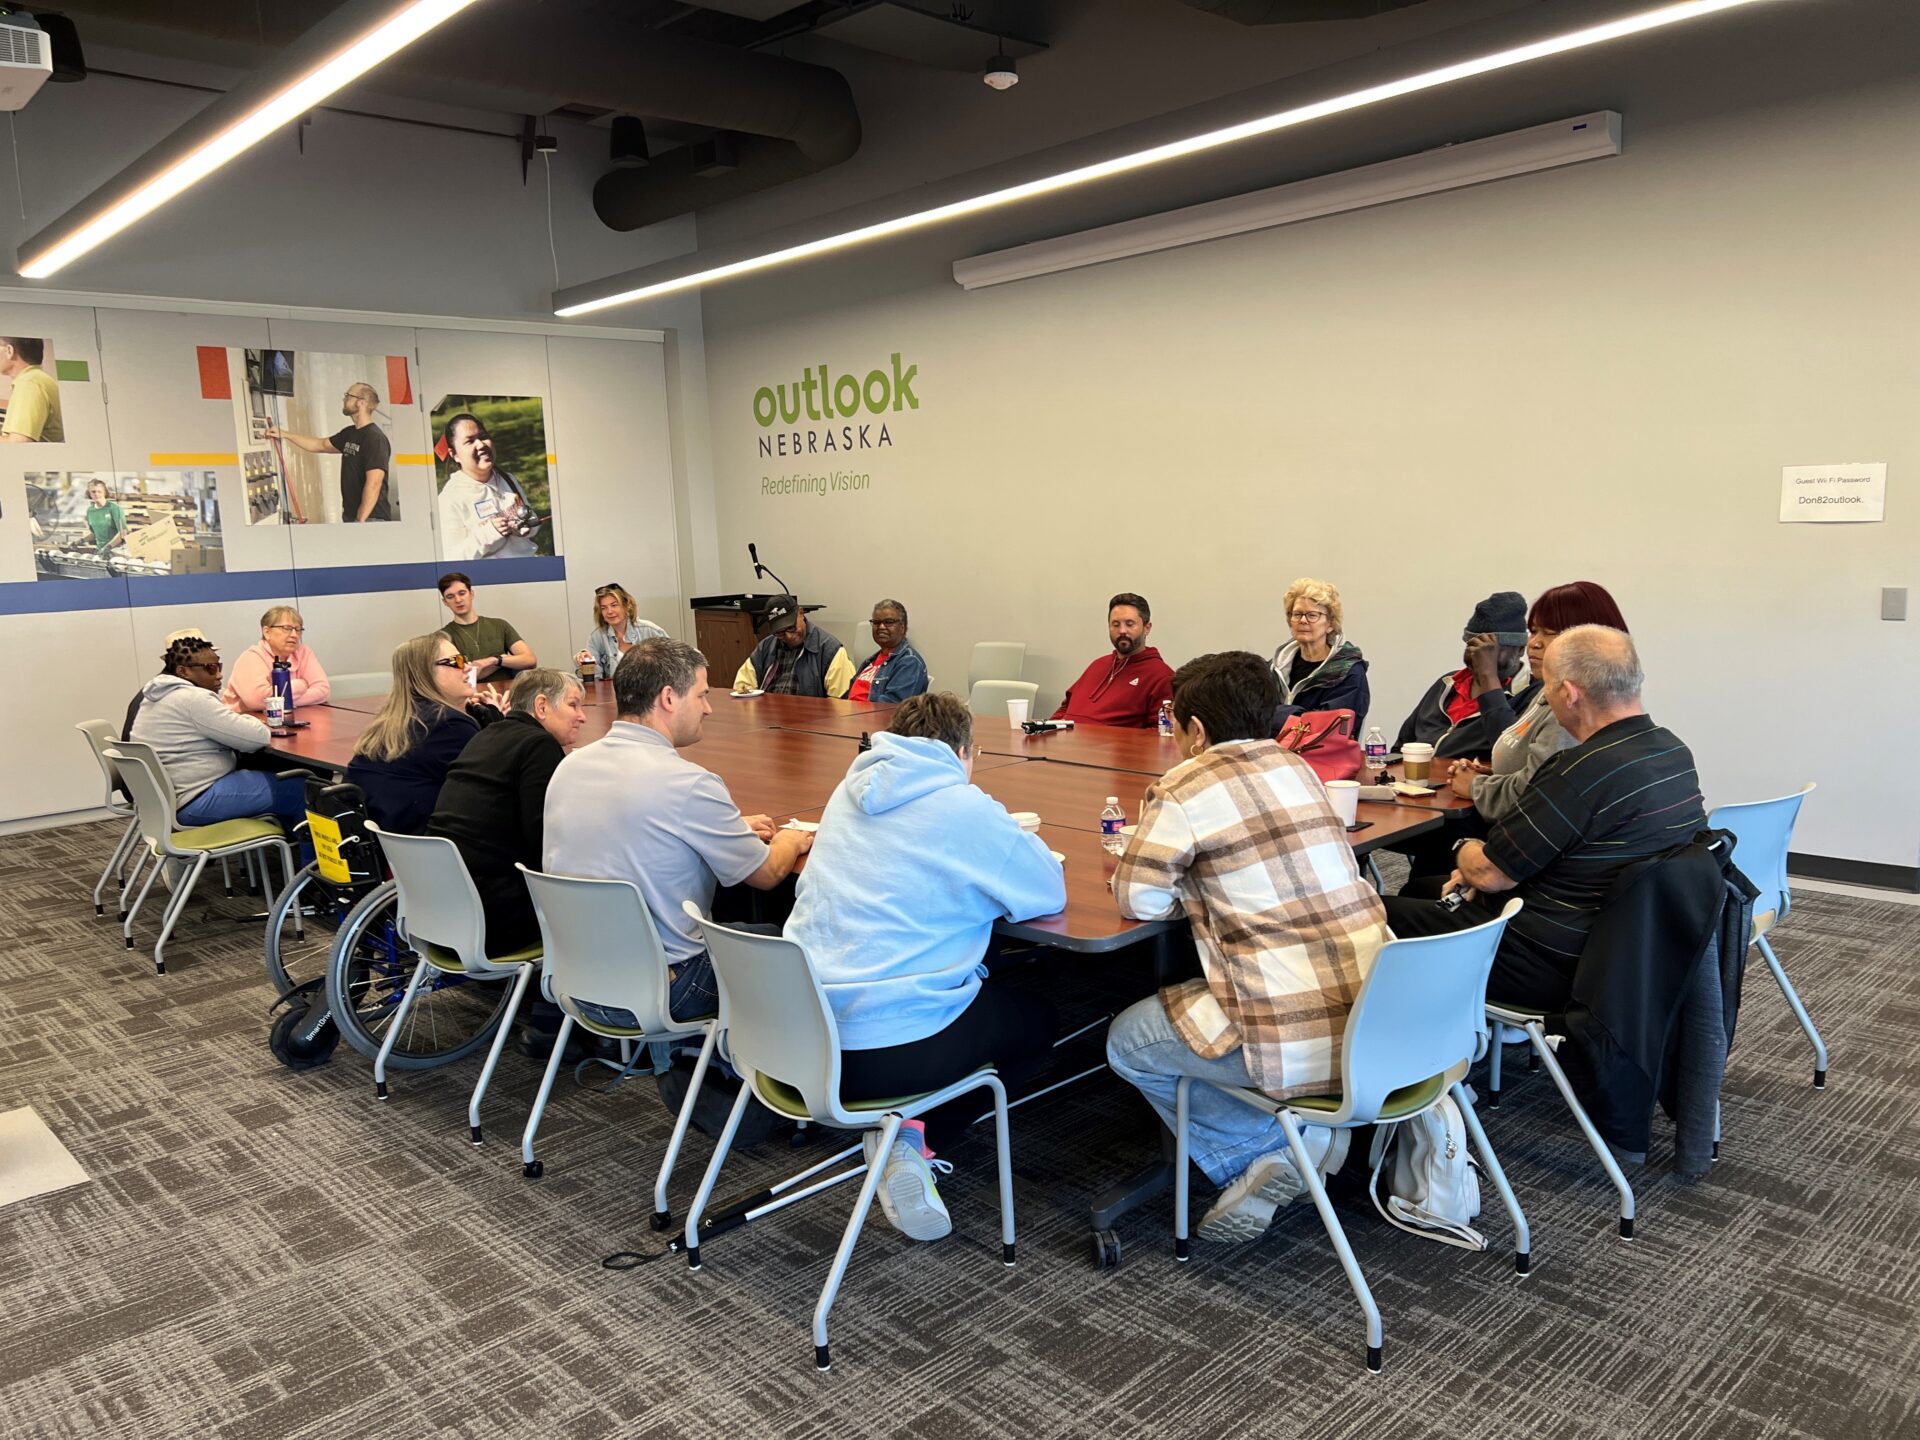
[{"x": 1523, "y": 747}]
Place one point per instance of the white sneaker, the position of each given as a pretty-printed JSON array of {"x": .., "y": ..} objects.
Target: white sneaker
[
  {"x": 909, "y": 1195},
  {"x": 1245, "y": 1209}
]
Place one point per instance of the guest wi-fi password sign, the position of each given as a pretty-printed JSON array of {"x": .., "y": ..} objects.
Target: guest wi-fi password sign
[{"x": 1826, "y": 493}]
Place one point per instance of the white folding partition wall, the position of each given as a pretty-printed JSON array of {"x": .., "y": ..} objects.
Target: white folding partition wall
[{"x": 82, "y": 647}]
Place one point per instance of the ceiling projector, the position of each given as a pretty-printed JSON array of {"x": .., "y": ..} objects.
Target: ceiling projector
[{"x": 26, "y": 58}]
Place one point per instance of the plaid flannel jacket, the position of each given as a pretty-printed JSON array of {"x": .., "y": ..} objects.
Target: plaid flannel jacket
[{"x": 1244, "y": 838}]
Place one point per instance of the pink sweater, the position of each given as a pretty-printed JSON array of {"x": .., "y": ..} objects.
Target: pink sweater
[{"x": 249, "y": 680}]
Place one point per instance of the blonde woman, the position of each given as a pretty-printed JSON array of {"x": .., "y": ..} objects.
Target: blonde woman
[
  {"x": 282, "y": 641},
  {"x": 430, "y": 715},
  {"x": 616, "y": 629},
  {"x": 1318, "y": 667}
]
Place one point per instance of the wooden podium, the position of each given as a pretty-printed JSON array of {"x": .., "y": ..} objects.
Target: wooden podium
[{"x": 726, "y": 628}]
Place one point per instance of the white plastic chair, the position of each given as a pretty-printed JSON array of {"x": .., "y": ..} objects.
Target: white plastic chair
[
  {"x": 441, "y": 914},
  {"x": 990, "y": 697},
  {"x": 996, "y": 660},
  {"x": 782, "y": 1038},
  {"x": 146, "y": 780},
  {"x": 863, "y": 648},
  {"x": 361, "y": 682},
  {"x": 1764, "y": 832},
  {"x": 1416, "y": 1025},
  {"x": 601, "y": 946},
  {"x": 99, "y": 734}
]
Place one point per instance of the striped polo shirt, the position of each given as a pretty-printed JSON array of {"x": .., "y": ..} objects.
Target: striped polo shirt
[{"x": 1628, "y": 792}]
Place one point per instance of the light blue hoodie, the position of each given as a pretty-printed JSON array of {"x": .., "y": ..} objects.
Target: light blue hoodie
[{"x": 910, "y": 869}]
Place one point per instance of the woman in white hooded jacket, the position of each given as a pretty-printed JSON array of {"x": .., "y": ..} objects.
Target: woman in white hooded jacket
[{"x": 200, "y": 740}]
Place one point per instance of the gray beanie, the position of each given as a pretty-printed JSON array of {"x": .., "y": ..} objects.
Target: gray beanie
[{"x": 1502, "y": 615}]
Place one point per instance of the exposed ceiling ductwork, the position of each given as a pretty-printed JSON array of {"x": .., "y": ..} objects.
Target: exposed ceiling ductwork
[
  {"x": 778, "y": 119},
  {"x": 1297, "y": 12}
]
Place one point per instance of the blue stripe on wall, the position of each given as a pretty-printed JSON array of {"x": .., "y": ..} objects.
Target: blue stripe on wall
[{"x": 42, "y": 597}]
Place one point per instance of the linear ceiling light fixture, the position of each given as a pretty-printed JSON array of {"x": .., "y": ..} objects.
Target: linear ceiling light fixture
[
  {"x": 1452, "y": 167},
  {"x": 1636, "y": 24},
  {"x": 333, "y": 54}
]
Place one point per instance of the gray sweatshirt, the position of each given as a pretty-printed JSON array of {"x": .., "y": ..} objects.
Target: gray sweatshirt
[
  {"x": 194, "y": 733},
  {"x": 1523, "y": 747}
]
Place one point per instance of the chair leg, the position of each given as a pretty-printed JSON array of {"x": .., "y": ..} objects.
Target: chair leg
[
  {"x": 1182, "y": 1102},
  {"x": 520, "y": 979},
  {"x": 1537, "y": 1033},
  {"x": 1373, "y": 874},
  {"x": 114, "y": 862},
  {"x": 1310, "y": 1175},
  {"x": 133, "y": 910},
  {"x": 226, "y": 876},
  {"x": 1522, "y": 1236},
  {"x": 1716, "y": 1127},
  {"x": 829, "y": 1292},
  {"x": 662, "y": 1211},
  {"x": 393, "y": 1029},
  {"x": 1003, "y": 1145},
  {"x": 182, "y": 893},
  {"x": 705, "y": 1193},
  {"x": 529, "y": 1166},
  {"x": 1799, "y": 1013}
]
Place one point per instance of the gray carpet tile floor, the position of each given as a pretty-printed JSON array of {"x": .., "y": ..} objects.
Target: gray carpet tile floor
[{"x": 272, "y": 1254}]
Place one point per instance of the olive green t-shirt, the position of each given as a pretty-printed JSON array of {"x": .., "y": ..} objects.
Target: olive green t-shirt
[{"x": 485, "y": 637}]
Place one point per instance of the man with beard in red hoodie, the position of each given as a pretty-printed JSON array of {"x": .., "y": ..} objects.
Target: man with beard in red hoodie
[{"x": 1126, "y": 687}]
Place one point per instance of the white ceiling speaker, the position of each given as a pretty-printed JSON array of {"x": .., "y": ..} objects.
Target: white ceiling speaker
[{"x": 1000, "y": 73}]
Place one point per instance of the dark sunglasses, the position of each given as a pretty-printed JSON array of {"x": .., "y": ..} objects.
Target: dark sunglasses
[{"x": 606, "y": 590}]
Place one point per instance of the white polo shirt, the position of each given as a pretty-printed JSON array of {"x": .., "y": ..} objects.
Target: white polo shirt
[{"x": 631, "y": 807}]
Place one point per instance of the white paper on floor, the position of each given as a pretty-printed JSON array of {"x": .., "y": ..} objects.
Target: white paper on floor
[{"x": 32, "y": 1159}]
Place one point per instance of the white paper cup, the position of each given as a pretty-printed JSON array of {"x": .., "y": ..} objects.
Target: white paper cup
[
  {"x": 1017, "y": 713},
  {"x": 1416, "y": 760},
  {"x": 1028, "y": 821},
  {"x": 1345, "y": 795}
]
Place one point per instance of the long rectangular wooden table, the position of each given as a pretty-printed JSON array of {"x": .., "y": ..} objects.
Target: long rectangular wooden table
[{"x": 776, "y": 767}]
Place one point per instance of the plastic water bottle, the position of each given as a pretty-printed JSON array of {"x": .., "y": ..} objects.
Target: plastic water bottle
[
  {"x": 280, "y": 696},
  {"x": 1376, "y": 751},
  {"x": 1111, "y": 819},
  {"x": 1166, "y": 719}
]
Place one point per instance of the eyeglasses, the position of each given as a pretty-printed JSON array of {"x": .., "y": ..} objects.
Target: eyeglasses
[
  {"x": 451, "y": 662},
  {"x": 290, "y": 629},
  {"x": 1308, "y": 615},
  {"x": 878, "y": 624}
]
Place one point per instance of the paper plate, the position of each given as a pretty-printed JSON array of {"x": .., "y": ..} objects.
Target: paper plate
[
  {"x": 1407, "y": 787},
  {"x": 745, "y": 694},
  {"x": 807, "y": 825},
  {"x": 1058, "y": 857}
]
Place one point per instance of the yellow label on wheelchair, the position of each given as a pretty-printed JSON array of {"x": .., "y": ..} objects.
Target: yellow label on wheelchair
[{"x": 325, "y": 832}]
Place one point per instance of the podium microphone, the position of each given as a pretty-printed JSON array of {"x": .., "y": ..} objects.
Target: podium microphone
[{"x": 753, "y": 554}]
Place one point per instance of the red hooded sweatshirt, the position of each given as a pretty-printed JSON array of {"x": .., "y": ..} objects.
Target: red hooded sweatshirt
[{"x": 1116, "y": 691}]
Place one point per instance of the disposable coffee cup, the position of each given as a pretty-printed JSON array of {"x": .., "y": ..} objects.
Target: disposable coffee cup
[
  {"x": 1017, "y": 713},
  {"x": 589, "y": 669},
  {"x": 1416, "y": 760},
  {"x": 1345, "y": 795},
  {"x": 1028, "y": 820}
]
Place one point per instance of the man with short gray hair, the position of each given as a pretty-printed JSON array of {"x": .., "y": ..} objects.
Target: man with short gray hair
[
  {"x": 1625, "y": 792},
  {"x": 493, "y": 801},
  {"x": 631, "y": 807}
]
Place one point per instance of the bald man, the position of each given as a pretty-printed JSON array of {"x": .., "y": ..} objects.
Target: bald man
[{"x": 364, "y": 451}]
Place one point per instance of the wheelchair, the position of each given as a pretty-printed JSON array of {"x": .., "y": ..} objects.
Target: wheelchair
[{"x": 338, "y": 956}]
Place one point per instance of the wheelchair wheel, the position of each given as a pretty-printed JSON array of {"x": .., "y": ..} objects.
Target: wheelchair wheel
[
  {"x": 451, "y": 1017},
  {"x": 293, "y": 959}
]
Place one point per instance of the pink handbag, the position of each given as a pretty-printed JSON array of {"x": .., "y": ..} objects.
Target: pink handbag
[{"x": 1324, "y": 739}]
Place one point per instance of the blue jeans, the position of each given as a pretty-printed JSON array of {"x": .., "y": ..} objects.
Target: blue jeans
[
  {"x": 1224, "y": 1135},
  {"x": 242, "y": 793},
  {"x": 692, "y": 995}
]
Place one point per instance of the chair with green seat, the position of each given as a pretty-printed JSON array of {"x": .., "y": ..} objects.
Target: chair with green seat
[
  {"x": 1416, "y": 1025},
  {"x": 99, "y": 734},
  {"x": 602, "y": 947},
  {"x": 442, "y": 918},
  {"x": 1764, "y": 832},
  {"x": 153, "y": 801},
  {"x": 782, "y": 1038}
]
